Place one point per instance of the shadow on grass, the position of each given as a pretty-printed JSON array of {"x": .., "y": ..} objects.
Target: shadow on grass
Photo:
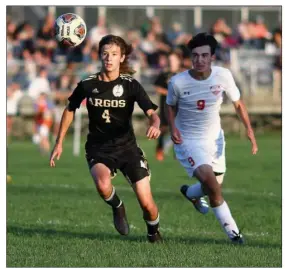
[
  {"x": 24, "y": 231},
  {"x": 103, "y": 236}
]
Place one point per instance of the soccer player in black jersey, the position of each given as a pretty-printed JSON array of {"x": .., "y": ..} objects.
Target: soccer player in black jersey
[
  {"x": 111, "y": 143},
  {"x": 160, "y": 84}
]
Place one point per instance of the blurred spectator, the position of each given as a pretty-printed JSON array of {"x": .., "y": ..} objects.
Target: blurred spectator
[
  {"x": 148, "y": 47},
  {"x": 253, "y": 34},
  {"x": 162, "y": 61},
  {"x": 137, "y": 58},
  {"x": 43, "y": 122},
  {"x": 175, "y": 33},
  {"x": 76, "y": 54},
  {"x": 98, "y": 31},
  {"x": 220, "y": 30},
  {"x": 261, "y": 33},
  {"x": 182, "y": 47},
  {"x": 223, "y": 34},
  {"x": 42, "y": 58},
  {"x": 162, "y": 42},
  {"x": 12, "y": 64},
  {"x": 145, "y": 27},
  {"x": 29, "y": 65},
  {"x": 11, "y": 28},
  {"x": 245, "y": 35},
  {"x": 133, "y": 37},
  {"x": 63, "y": 89},
  {"x": 26, "y": 36},
  {"x": 277, "y": 73},
  {"x": 14, "y": 94},
  {"x": 45, "y": 35},
  {"x": 39, "y": 85},
  {"x": 174, "y": 65},
  {"x": 277, "y": 41},
  {"x": 155, "y": 43}
]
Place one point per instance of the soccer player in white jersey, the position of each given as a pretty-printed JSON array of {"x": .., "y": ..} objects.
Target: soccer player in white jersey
[{"x": 193, "y": 103}]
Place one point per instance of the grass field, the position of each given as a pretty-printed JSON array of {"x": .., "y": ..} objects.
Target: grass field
[{"x": 55, "y": 217}]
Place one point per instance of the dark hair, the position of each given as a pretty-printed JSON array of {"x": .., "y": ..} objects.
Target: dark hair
[
  {"x": 125, "y": 50},
  {"x": 203, "y": 39}
]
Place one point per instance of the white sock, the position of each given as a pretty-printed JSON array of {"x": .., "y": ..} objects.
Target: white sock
[
  {"x": 224, "y": 216},
  {"x": 153, "y": 222},
  {"x": 195, "y": 191}
]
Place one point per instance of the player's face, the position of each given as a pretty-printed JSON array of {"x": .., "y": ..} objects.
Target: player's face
[
  {"x": 111, "y": 57},
  {"x": 201, "y": 58}
]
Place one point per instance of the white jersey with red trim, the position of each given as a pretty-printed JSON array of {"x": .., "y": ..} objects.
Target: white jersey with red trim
[{"x": 199, "y": 102}]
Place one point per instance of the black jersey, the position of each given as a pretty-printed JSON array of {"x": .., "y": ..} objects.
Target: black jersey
[{"x": 110, "y": 106}]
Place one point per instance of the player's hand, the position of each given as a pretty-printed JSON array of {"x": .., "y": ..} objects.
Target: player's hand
[
  {"x": 56, "y": 152},
  {"x": 176, "y": 136},
  {"x": 153, "y": 132},
  {"x": 251, "y": 137}
]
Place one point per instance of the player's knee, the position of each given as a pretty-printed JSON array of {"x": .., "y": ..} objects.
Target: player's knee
[
  {"x": 204, "y": 173},
  {"x": 103, "y": 183},
  {"x": 207, "y": 177},
  {"x": 211, "y": 187},
  {"x": 149, "y": 207}
]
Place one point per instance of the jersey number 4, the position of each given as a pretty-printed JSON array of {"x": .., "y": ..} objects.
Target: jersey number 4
[
  {"x": 106, "y": 116},
  {"x": 201, "y": 104}
]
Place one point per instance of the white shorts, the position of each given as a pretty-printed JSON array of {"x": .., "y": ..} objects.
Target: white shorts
[{"x": 192, "y": 154}]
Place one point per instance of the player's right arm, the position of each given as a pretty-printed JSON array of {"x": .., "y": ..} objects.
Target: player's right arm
[
  {"x": 171, "y": 103},
  {"x": 67, "y": 117}
]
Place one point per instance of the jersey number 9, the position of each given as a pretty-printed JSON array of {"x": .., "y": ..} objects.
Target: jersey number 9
[{"x": 200, "y": 104}]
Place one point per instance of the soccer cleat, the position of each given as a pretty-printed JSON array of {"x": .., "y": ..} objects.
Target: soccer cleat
[
  {"x": 200, "y": 204},
  {"x": 154, "y": 238},
  {"x": 159, "y": 155},
  {"x": 238, "y": 238},
  {"x": 120, "y": 219}
]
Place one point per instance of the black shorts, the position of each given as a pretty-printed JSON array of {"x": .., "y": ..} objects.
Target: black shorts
[{"x": 131, "y": 162}]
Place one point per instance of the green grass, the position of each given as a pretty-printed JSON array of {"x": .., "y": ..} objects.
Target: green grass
[{"x": 55, "y": 218}]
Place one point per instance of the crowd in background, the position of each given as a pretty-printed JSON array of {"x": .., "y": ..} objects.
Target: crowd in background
[
  {"x": 36, "y": 65},
  {"x": 36, "y": 46}
]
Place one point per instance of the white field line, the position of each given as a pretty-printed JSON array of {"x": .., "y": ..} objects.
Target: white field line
[{"x": 225, "y": 190}]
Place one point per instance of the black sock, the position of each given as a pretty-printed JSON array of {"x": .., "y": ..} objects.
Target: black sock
[
  {"x": 113, "y": 200},
  {"x": 152, "y": 226},
  {"x": 160, "y": 143}
]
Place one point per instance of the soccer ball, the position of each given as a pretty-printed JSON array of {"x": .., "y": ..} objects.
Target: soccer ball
[{"x": 70, "y": 30}]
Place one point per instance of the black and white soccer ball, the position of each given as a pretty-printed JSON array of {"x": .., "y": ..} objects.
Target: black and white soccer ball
[{"x": 70, "y": 30}]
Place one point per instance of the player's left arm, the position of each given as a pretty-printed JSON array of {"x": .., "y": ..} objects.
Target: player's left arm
[
  {"x": 243, "y": 115},
  {"x": 149, "y": 108},
  {"x": 234, "y": 94},
  {"x": 153, "y": 131}
]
